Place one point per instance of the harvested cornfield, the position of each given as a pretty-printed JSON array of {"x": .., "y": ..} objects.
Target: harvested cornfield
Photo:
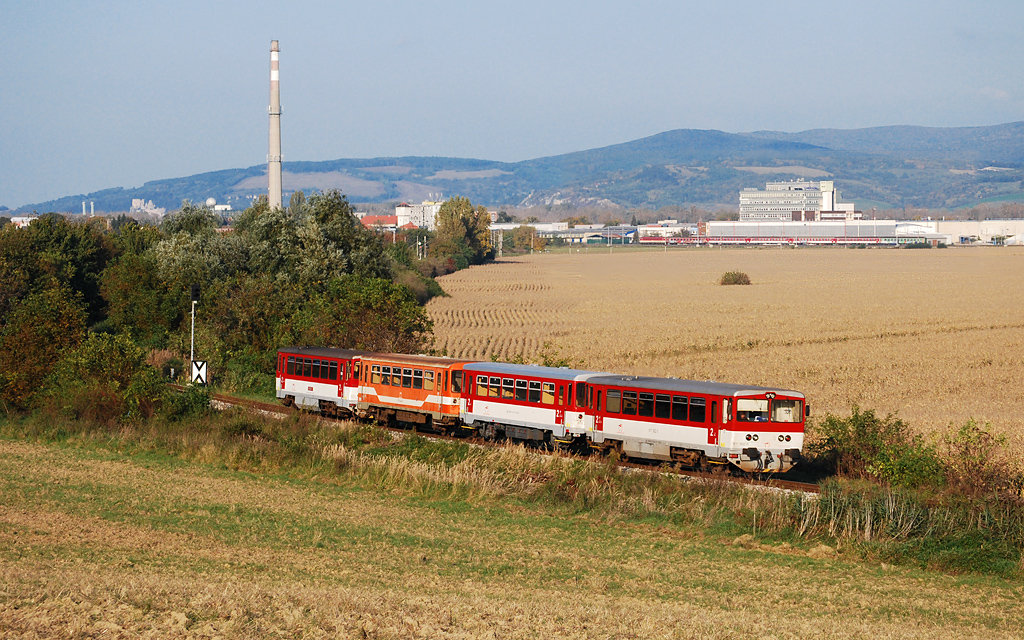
[{"x": 937, "y": 335}]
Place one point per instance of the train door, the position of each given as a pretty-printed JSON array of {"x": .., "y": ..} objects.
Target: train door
[{"x": 713, "y": 425}]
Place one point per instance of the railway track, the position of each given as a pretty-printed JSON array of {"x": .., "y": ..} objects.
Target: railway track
[{"x": 767, "y": 482}]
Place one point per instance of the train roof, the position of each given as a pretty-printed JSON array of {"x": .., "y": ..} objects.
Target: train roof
[
  {"x": 406, "y": 358},
  {"x": 323, "y": 352},
  {"x": 507, "y": 368},
  {"x": 688, "y": 386}
]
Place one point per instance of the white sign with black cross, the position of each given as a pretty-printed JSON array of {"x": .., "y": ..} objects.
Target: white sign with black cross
[{"x": 199, "y": 372}]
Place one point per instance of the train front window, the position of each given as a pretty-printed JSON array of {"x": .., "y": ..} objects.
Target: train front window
[
  {"x": 752, "y": 410},
  {"x": 787, "y": 410}
]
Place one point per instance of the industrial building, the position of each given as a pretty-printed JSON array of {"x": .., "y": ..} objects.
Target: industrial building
[{"x": 799, "y": 200}]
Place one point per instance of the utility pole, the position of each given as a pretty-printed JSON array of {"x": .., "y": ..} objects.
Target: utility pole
[{"x": 195, "y": 301}]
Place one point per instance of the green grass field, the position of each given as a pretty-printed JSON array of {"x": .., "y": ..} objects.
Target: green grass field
[{"x": 136, "y": 533}]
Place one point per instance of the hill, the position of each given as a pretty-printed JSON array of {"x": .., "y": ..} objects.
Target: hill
[{"x": 884, "y": 166}]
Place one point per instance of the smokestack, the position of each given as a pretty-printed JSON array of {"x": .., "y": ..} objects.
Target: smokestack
[{"x": 274, "y": 157}]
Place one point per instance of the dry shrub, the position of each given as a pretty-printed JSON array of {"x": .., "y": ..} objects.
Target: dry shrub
[{"x": 734, "y": 277}]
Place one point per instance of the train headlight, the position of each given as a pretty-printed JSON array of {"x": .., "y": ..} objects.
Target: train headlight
[
  {"x": 748, "y": 436},
  {"x": 788, "y": 438},
  {"x": 781, "y": 438},
  {"x": 755, "y": 437}
]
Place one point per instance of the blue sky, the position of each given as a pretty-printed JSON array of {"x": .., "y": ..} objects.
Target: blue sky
[{"x": 105, "y": 94}]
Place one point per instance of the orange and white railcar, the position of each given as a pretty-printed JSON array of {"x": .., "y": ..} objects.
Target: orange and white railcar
[{"x": 418, "y": 390}]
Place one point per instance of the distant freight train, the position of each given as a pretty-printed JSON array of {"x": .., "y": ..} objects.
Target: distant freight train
[{"x": 695, "y": 424}]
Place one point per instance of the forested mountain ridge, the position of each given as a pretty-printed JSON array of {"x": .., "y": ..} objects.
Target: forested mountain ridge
[{"x": 881, "y": 166}]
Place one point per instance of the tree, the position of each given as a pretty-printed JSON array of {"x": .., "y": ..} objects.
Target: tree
[
  {"x": 40, "y": 329},
  {"x": 463, "y": 232}
]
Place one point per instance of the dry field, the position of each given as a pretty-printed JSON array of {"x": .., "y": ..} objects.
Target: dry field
[
  {"x": 934, "y": 335},
  {"x": 97, "y": 545}
]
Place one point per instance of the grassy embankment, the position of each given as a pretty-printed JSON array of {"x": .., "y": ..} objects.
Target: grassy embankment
[{"x": 234, "y": 525}]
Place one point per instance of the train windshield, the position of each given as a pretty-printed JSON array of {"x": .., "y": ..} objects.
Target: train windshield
[
  {"x": 784, "y": 410},
  {"x": 751, "y": 410}
]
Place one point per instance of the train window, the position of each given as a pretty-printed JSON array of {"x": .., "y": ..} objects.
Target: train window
[
  {"x": 598, "y": 404},
  {"x": 698, "y": 408},
  {"x": 714, "y": 410},
  {"x": 581, "y": 394},
  {"x": 646, "y": 405},
  {"x": 568, "y": 398},
  {"x": 679, "y": 407},
  {"x": 481, "y": 386},
  {"x": 307, "y": 364},
  {"x": 787, "y": 410},
  {"x": 726, "y": 409},
  {"x": 508, "y": 388},
  {"x": 407, "y": 378},
  {"x": 561, "y": 395},
  {"x": 534, "y": 391},
  {"x": 751, "y": 410},
  {"x": 428, "y": 380},
  {"x": 417, "y": 378},
  {"x": 385, "y": 375},
  {"x": 321, "y": 371},
  {"x": 547, "y": 396},
  {"x": 355, "y": 370},
  {"x": 495, "y": 389},
  {"x": 629, "y": 402},
  {"x": 333, "y": 371},
  {"x": 662, "y": 406},
  {"x": 521, "y": 393},
  {"x": 291, "y": 365},
  {"x": 456, "y": 380},
  {"x": 614, "y": 403},
  {"x": 445, "y": 380}
]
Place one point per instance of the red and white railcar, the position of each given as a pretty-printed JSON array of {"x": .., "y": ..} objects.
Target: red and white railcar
[
  {"x": 319, "y": 378},
  {"x": 757, "y": 429},
  {"x": 526, "y": 402}
]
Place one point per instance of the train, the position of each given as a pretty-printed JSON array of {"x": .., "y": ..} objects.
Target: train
[{"x": 695, "y": 424}]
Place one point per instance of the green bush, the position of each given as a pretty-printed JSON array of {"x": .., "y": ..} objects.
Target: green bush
[
  {"x": 867, "y": 446},
  {"x": 104, "y": 380},
  {"x": 191, "y": 402},
  {"x": 734, "y": 277}
]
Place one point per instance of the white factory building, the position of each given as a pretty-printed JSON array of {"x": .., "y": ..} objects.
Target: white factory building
[
  {"x": 423, "y": 215},
  {"x": 799, "y": 200}
]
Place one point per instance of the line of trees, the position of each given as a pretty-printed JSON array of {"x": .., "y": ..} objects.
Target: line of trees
[{"x": 91, "y": 314}]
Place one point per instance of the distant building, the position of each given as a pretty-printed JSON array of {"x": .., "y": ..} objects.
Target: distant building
[
  {"x": 23, "y": 221},
  {"x": 798, "y": 200},
  {"x": 423, "y": 215},
  {"x": 143, "y": 206}
]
